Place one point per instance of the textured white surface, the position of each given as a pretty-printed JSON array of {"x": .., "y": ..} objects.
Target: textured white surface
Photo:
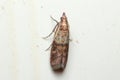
[{"x": 95, "y": 29}]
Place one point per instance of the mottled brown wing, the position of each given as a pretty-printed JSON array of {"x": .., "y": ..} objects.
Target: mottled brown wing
[{"x": 58, "y": 57}]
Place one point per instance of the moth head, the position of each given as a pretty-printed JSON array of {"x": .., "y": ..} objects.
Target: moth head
[{"x": 63, "y": 18}]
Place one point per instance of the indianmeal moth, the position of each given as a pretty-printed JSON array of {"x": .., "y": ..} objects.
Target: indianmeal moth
[{"x": 60, "y": 44}]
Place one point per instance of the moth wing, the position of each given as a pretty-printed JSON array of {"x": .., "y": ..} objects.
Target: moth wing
[{"x": 58, "y": 57}]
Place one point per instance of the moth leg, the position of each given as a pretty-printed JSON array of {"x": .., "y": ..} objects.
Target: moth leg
[
  {"x": 54, "y": 19},
  {"x": 51, "y": 32},
  {"x": 54, "y": 37},
  {"x": 48, "y": 47}
]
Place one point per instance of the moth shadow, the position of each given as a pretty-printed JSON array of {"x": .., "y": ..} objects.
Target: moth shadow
[{"x": 58, "y": 71}]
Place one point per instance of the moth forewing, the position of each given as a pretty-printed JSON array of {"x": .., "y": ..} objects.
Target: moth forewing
[{"x": 60, "y": 45}]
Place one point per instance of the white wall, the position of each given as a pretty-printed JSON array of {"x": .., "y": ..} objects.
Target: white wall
[{"x": 95, "y": 30}]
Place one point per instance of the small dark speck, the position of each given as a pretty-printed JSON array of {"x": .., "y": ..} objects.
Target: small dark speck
[
  {"x": 24, "y": 2},
  {"x": 77, "y": 41},
  {"x": 83, "y": 34},
  {"x": 41, "y": 6},
  {"x": 110, "y": 26},
  {"x": 113, "y": 25},
  {"x": 37, "y": 45},
  {"x": 2, "y": 8}
]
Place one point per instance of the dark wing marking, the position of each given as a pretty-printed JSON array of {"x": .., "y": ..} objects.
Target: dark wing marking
[{"x": 59, "y": 54}]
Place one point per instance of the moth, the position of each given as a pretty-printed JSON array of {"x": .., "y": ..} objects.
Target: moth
[{"x": 60, "y": 44}]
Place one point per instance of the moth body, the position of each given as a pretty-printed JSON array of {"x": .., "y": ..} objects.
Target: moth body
[{"x": 60, "y": 45}]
